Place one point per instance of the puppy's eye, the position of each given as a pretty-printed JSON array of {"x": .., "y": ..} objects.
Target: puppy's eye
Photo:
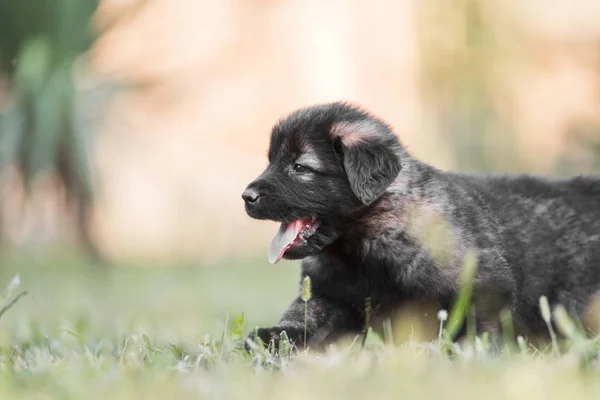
[{"x": 299, "y": 168}]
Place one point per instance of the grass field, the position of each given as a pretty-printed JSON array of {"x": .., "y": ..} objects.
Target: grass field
[{"x": 128, "y": 332}]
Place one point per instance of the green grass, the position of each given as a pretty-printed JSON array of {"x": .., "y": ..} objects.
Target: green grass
[{"x": 176, "y": 332}]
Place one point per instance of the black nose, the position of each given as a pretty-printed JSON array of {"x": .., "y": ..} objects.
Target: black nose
[{"x": 250, "y": 196}]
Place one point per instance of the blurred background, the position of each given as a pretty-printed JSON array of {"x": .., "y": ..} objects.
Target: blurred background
[
  {"x": 132, "y": 126},
  {"x": 129, "y": 128}
]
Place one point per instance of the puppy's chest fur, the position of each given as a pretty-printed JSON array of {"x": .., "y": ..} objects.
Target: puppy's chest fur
[{"x": 401, "y": 252}]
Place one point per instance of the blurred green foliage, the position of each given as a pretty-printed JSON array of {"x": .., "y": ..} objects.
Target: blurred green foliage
[
  {"x": 44, "y": 127},
  {"x": 40, "y": 42},
  {"x": 53, "y": 108}
]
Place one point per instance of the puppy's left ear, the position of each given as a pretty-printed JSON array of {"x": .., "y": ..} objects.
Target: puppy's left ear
[{"x": 370, "y": 156}]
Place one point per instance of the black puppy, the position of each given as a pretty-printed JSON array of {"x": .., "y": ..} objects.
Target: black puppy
[{"x": 362, "y": 212}]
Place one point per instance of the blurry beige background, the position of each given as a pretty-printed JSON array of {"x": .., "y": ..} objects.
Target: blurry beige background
[{"x": 173, "y": 158}]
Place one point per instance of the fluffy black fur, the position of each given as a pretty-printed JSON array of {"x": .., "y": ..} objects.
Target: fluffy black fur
[{"x": 532, "y": 236}]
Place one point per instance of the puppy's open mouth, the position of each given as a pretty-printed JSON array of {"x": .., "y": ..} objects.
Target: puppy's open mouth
[{"x": 291, "y": 235}]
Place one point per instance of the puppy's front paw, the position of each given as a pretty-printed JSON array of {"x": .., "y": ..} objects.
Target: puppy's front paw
[{"x": 271, "y": 338}]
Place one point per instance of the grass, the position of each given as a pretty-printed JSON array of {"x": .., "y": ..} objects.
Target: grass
[{"x": 125, "y": 333}]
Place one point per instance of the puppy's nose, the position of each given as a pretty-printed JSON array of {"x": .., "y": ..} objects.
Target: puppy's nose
[{"x": 250, "y": 196}]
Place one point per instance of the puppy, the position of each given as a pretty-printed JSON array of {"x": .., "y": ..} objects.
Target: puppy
[{"x": 375, "y": 225}]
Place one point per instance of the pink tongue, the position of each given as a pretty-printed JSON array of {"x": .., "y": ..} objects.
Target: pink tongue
[{"x": 284, "y": 237}]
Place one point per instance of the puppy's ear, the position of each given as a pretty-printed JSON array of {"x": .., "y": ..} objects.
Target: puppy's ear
[{"x": 369, "y": 152}]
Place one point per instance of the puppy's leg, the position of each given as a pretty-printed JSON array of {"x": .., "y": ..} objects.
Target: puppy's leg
[
  {"x": 490, "y": 301},
  {"x": 324, "y": 320}
]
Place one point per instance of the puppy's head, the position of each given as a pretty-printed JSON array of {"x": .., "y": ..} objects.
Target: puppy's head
[{"x": 326, "y": 163}]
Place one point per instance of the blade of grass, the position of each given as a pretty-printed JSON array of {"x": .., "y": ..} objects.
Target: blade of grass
[
  {"x": 460, "y": 307},
  {"x": 223, "y": 336},
  {"x": 11, "y": 303}
]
